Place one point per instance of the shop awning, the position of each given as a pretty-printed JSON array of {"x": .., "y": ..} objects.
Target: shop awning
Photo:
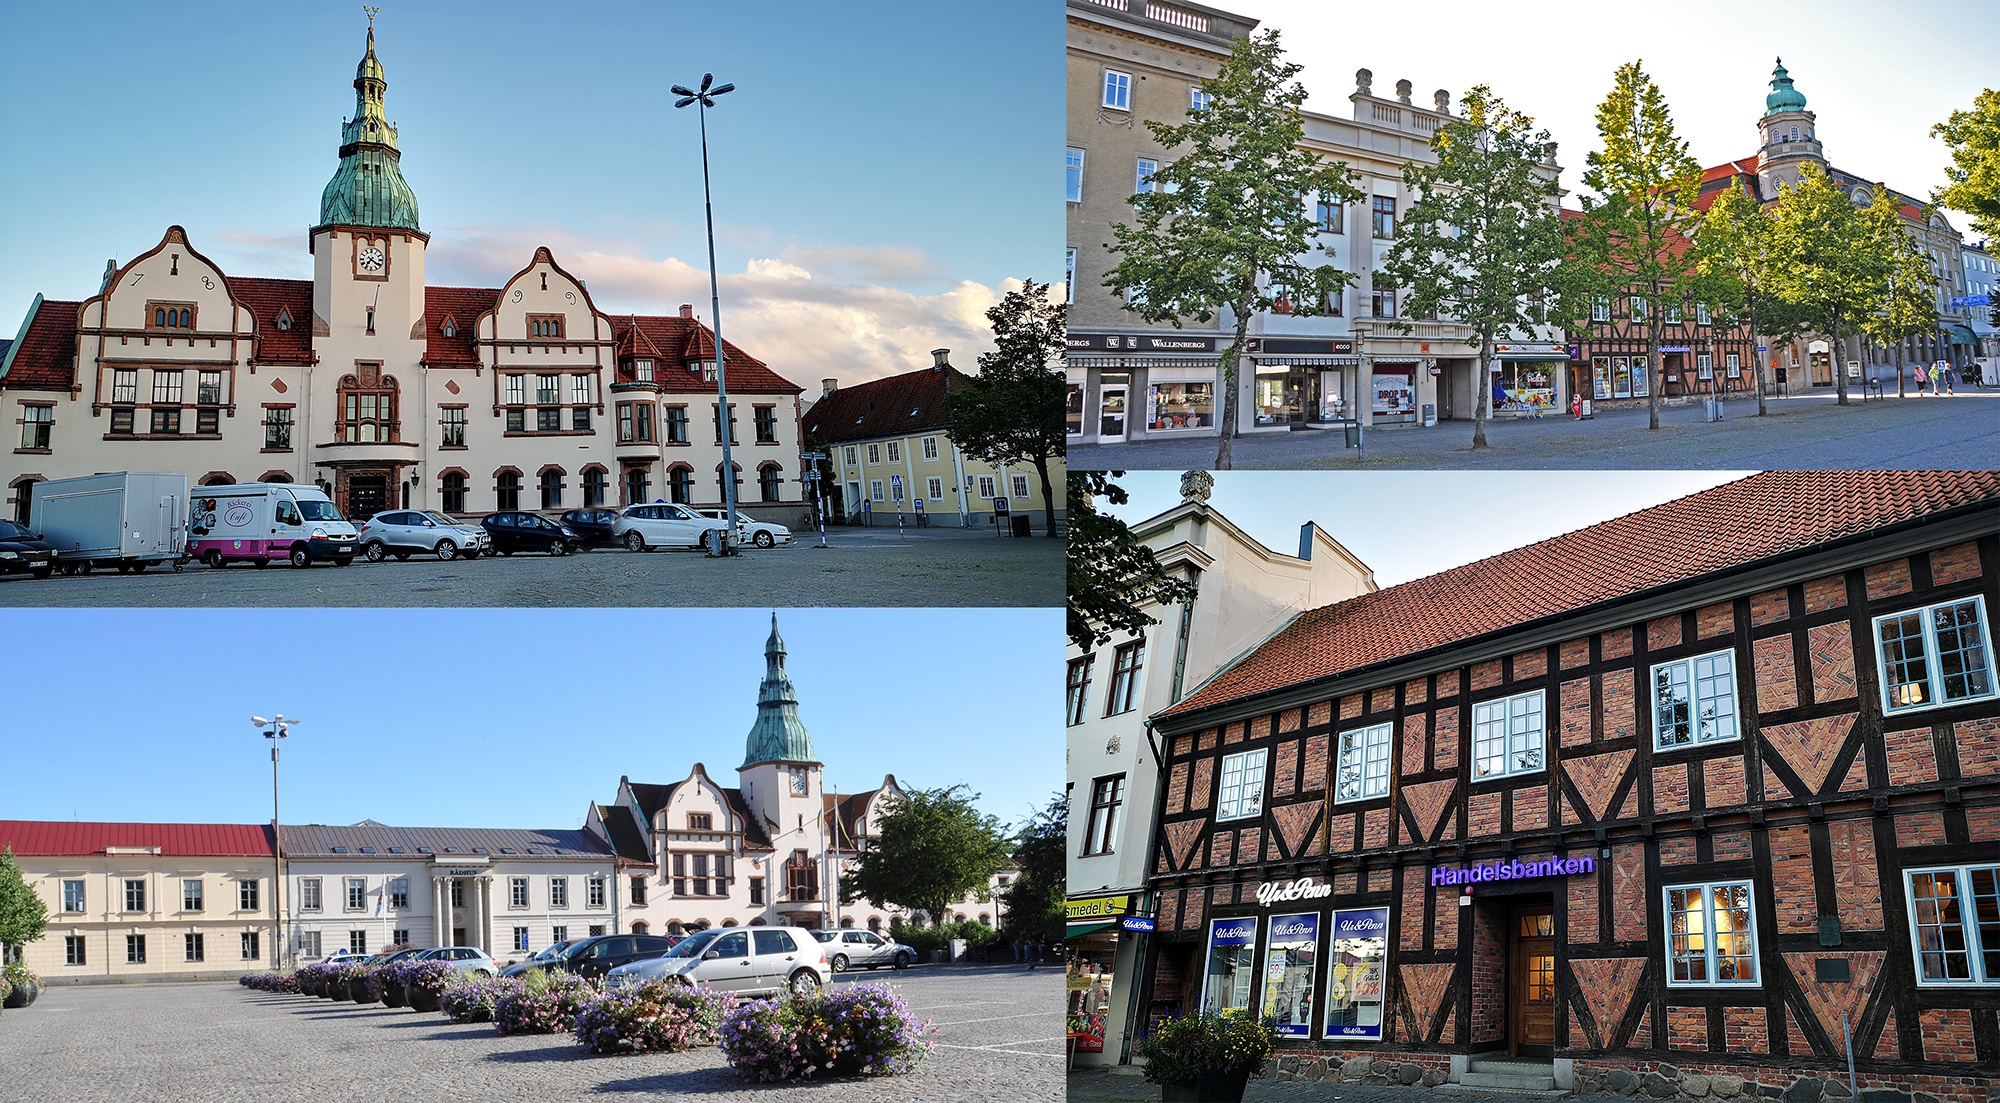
[
  {"x": 1308, "y": 361},
  {"x": 1075, "y": 361},
  {"x": 1960, "y": 335},
  {"x": 1089, "y": 927},
  {"x": 1560, "y": 357}
]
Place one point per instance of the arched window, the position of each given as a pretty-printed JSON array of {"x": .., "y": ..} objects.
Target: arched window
[
  {"x": 846, "y": 921},
  {"x": 24, "y": 493},
  {"x": 985, "y": 920},
  {"x": 681, "y": 479},
  {"x": 722, "y": 488},
  {"x": 639, "y": 927},
  {"x": 1795, "y": 134},
  {"x": 367, "y": 409},
  {"x": 159, "y": 316},
  {"x": 593, "y": 486},
  {"x": 184, "y": 319},
  {"x": 552, "y": 482},
  {"x": 636, "y": 484},
  {"x": 276, "y": 477},
  {"x": 769, "y": 478},
  {"x": 756, "y": 921},
  {"x": 731, "y": 923},
  {"x": 507, "y": 489},
  {"x": 218, "y": 478},
  {"x": 452, "y": 489},
  {"x": 875, "y": 923}
]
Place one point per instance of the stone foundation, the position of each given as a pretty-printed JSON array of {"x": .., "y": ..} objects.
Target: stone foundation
[
  {"x": 1358, "y": 1067},
  {"x": 1748, "y": 1083}
]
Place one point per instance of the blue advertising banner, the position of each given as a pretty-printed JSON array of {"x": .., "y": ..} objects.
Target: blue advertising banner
[
  {"x": 1289, "y": 961},
  {"x": 1232, "y": 957},
  {"x": 1357, "y": 974}
]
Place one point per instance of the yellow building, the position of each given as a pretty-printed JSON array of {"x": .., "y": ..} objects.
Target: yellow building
[
  {"x": 889, "y": 448},
  {"x": 147, "y": 901}
]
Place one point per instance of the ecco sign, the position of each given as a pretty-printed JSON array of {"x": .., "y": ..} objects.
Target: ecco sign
[{"x": 1305, "y": 888}]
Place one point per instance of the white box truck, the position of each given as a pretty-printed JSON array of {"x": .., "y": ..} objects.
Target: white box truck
[
  {"x": 265, "y": 521},
  {"x": 125, "y": 519}
]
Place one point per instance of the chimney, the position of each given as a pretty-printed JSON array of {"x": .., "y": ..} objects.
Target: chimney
[
  {"x": 687, "y": 310},
  {"x": 940, "y": 359},
  {"x": 831, "y": 385},
  {"x": 1306, "y": 540}
]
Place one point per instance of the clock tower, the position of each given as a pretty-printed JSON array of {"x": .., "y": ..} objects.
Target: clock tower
[
  {"x": 780, "y": 772},
  {"x": 368, "y": 312}
]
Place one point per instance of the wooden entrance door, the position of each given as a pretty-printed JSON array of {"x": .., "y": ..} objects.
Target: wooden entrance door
[
  {"x": 1531, "y": 984},
  {"x": 367, "y": 495}
]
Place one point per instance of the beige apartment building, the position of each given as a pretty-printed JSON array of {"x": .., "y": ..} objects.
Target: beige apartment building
[
  {"x": 147, "y": 901},
  {"x": 889, "y": 446}
]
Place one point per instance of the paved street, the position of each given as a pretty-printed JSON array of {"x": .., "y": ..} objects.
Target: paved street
[
  {"x": 864, "y": 567},
  {"x": 1000, "y": 1038},
  {"x": 1804, "y": 433},
  {"x": 1106, "y": 1087}
]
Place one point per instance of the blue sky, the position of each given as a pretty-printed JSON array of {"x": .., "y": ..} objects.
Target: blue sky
[
  {"x": 507, "y": 718},
  {"x": 1408, "y": 524},
  {"x": 881, "y": 170}
]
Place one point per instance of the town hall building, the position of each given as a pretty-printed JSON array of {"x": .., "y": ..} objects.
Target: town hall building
[{"x": 385, "y": 391}]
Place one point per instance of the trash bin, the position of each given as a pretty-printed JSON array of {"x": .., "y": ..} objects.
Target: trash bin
[
  {"x": 1353, "y": 434},
  {"x": 1430, "y": 414},
  {"x": 1023, "y": 526}
]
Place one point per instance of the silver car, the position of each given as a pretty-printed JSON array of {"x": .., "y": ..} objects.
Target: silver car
[
  {"x": 404, "y": 532},
  {"x": 466, "y": 959},
  {"x": 749, "y": 530},
  {"x": 744, "y": 960},
  {"x": 846, "y": 949},
  {"x": 662, "y": 524}
]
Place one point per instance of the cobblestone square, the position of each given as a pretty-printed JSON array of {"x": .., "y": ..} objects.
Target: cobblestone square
[{"x": 1000, "y": 1037}]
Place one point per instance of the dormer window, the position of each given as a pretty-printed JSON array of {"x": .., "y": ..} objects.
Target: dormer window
[
  {"x": 449, "y": 328},
  {"x": 284, "y": 318},
  {"x": 642, "y": 370}
]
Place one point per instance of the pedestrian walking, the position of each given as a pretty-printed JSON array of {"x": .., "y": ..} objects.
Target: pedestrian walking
[{"x": 1950, "y": 378}]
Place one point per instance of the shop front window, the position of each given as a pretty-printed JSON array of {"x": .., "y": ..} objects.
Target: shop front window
[
  {"x": 1357, "y": 967},
  {"x": 1524, "y": 386},
  {"x": 1600, "y": 377},
  {"x": 1073, "y": 408},
  {"x": 1288, "y": 974},
  {"x": 1395, "y": 394},
  {"x": 1180, "y": 406},
  {"x": 1232, "y": 952}
]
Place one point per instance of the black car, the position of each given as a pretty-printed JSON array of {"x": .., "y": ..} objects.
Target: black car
[
  {"x": 514, "y": 532},
  {"x": 21, "y": 550},
  {"x": 593, "y": 525},
  {"x": 594, "y": 957}
]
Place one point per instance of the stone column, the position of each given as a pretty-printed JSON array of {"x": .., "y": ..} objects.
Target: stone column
[
  {"x": 440, "y": 921},
  {"x": 486, "y": 914}
]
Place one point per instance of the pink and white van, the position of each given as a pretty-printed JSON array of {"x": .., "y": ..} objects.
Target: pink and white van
[{"x": 265, "y": 521}]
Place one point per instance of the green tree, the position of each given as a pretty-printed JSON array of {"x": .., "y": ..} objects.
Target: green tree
[
  {"x": 1630, "y": 243},
  {"x": 1974, "y": 138},
  {"x": 1225, "y": 223},
  {"x": 1012, "y": 411},
  {"x": 1732, "y": 248},
  {"x": 1831, "y": 261},
  {"x": 934, "y": 848},
  {"x": 1483, "y": 240},
  {"x": 23, "y": 915},
  {"x": 1112, "y": 577},
  {"x": 1035, "y": 899},
  {"x": 1909, "y": 301}
]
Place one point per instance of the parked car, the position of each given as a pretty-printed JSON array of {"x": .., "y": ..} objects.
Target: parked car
[
  {"x": 466, "y": 959},
  {"x": 745, "y": 960},
  {"x": 399, "y": 955},
  {"x": 21, "y": 550},
  {"x": 540, "y": 959},
  {"x": 265, "y": 521},
  {"x": 845, "y": 949},
  {"x": 404, "y": 532},
  {"x": 594, "y": 957},
  {"x": 342, "y": 957},
  {"x": 749, "y": 530},
  {"x": 593, "y": 526},
  {"x": 512, "y": 532},
  {"x": 663, "y": 524}
]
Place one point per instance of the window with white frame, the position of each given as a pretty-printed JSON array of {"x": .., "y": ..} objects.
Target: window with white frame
[
  {"x": 1731, "y": 363},
  {"x": 558, "y": 893},
  {"x": 1710, "y": 935},
  {"x": 399, "y": 893},
  {"x": 1507, "y": 736},
  {"x": 895, "y": 451},
  {"x": 1364, "y": 764},
  {"x": 1198, "y": 100},
  {"x": 135, "y": 895},
  {"x": 246, "y": 895},
  {"x": 934, "y": 488},
  {"x": 1955, "y": 924},
  {"x": 518, "y": 892},
  {"x": 1069, "y": 276},
  {"x": 1701, "y": 313},
  {"x": 1117, "y": 90},
  {"x": 1019, "y": 484},
  {"x": 308, "y": 943},
  {"x": 1937, "y": 655},
  {"x": 595, "y": 899},
  {"x": 1073, "y": 175},
  {"x": 1694, "y": 700},
  {"x": 1704, "y": 365},
  {"x": 73, "y": 896},
  {"x": 191, "y": 896},
  {"x": 309, "y": 894},
  {"x": 1242, "y": 791},
  {"x": 1143, "y": 181},
  {"x": 930, "y": 448},
  {"x": 850, "y": 455},
  {"x": 986, "y": 487},
  {"x": 875, "y": 490},
  {"x": 1600, "y": 309},
  {"x": 357, "y": 893},
  {"x": 874, "y": 454},
  {"x": 521, "y": 938}
]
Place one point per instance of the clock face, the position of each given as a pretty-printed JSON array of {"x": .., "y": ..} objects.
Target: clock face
[
  {"x": 799, "y": 783},
  {"x": 372, "y": 259}
]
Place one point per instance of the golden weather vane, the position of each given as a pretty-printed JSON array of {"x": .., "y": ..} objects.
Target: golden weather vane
[{"x": 371, "y": 15}]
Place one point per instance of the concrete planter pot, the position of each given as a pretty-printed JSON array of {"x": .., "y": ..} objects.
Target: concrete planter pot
[
  {"x": 394, "y": 994},
  {"x": 336, "y": 990},
  {"x": 364, "y": 990},
  {"x": 1215, "y": 1087},
  {"x": 424, "y": 999}
]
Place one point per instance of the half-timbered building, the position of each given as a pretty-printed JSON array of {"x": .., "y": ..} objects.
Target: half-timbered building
[{"x": 1692, "y": 802}]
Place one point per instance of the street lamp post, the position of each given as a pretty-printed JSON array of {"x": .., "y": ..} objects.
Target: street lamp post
[
  {"x": 725, "y": 426},
  {"x": 278, "y": 726}
]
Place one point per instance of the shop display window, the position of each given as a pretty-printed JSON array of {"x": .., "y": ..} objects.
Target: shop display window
[
  {"x": 1694, "y": 700},
  {"x": 1395, "y": 395},
  {"x": 1955, "y": 924},
  {"x": 1364, "y": 764},
  {"x": 1711, "y": 935},
  {"x": 1938, "y": 655},
  {"x": 1507, "y": 736},
  {"x": 1288, "y": 974},
  {"x": 1357, "y": 967},
  {"x": 1073, "y": 408},
  {"x": 1524, "y": 386},
  {"x": 1180, "y": 406},
  {"x": 1232, "y": 953},
  {"x": 1600, "y": 376}
]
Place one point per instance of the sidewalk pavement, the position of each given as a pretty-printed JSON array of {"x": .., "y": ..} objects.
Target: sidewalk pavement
[{"x": 1099, "y": 1085}]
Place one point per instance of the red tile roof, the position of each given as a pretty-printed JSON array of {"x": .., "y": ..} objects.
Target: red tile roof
[
  {"x": 1773, "y": 514},
  {"x": 463, "y": 305},
  {"x": 906, "y": 403},
  {"x": 694, "y": 341},
  {"x": 65, "y": 838},
  {"x": 47, "y": 353},
  {"x": 269, "y": 298}
]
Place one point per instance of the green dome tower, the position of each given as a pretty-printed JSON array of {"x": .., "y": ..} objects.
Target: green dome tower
[
  {"x": 778, "y": 735},
  {"x": 368, "y": 188},
  {"x": 1786, "y": 135}
]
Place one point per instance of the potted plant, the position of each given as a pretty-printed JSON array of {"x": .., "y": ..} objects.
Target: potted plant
[
  {"x": 23, "y": 986},
  {"x": 425, "y": 981},
  {"x": 1205, "y": 1057},
  {"x": 362, "y": 984},
  {"x": 336, "y": 987},
  {"x": 393, "y": 980}
]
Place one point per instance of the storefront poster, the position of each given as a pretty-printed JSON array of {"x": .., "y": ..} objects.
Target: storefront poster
[
  {"x": 1357, "y": 969},
  {"x": 1288, "y": 974},
  {"x": 1395, "y": 394},
  {"x": 1232, "y": 953}
]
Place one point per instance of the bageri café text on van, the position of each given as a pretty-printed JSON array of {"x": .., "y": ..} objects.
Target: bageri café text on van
[{"x": 1677, "y": 802}]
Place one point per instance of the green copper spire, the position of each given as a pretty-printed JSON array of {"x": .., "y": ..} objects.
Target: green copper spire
[
  {"x": 1783, "y": 96},
  {"x": 779, "y": 735},
  {"x": 368, "y": 189}
]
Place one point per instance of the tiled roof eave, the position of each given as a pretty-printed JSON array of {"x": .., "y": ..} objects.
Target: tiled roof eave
[{"x": 1839, "y": 554}]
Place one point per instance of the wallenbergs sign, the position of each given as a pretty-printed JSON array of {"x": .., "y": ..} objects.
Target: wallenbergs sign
[{"x": 1305, "y": 888}]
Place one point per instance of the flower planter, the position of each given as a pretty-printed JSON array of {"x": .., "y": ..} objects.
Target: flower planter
[
  {"x": 394, "y": 994},
  {"x": 336, "y": 990},
  {"x": 22, "y": 995},
  {"x": 364, "y": 990},
  {"x": 424, "y": 999},
  {"x": 1215, "y": 1087}
]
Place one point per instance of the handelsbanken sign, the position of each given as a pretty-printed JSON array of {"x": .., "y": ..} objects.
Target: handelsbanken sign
[{"x": 1511, "y": 871}]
